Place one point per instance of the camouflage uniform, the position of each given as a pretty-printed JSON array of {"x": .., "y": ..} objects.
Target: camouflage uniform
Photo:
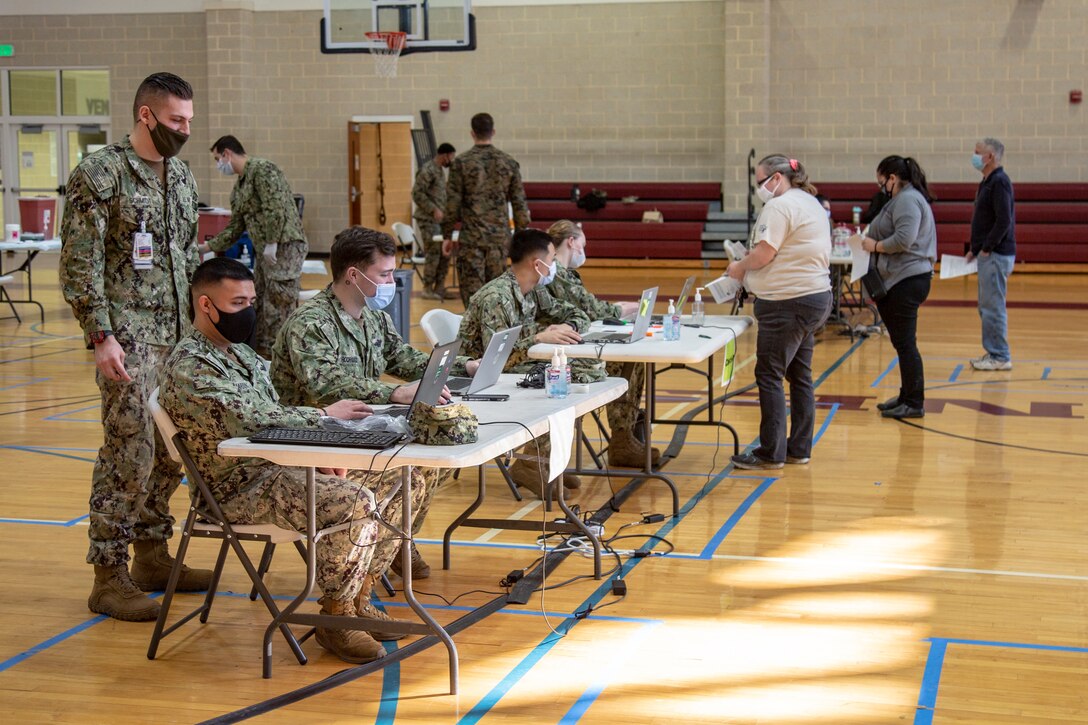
[
  {"x": 262, "y": 204},
  {"x": 568, "y": 287},
  {"x": 482, "y": 181},
  {"x": 212, "y": 396},
  {"x": 110, "y": 196},
  {"x": 429, "y": 194},
  {"x": 323, "y": 355}
]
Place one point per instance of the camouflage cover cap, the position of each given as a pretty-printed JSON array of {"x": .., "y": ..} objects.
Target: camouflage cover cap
[{"x": 444, "y": 425}]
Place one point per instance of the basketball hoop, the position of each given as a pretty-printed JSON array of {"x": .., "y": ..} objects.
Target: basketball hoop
[{"x": 390, "y": 44}]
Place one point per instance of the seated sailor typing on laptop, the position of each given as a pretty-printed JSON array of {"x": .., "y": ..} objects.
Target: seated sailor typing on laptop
[
  {"x": 518, "y": 298},
  {"x": 215, "y": 388},
  {"x": 625, "y": 447},
  {"x": 340, "y": 343}
]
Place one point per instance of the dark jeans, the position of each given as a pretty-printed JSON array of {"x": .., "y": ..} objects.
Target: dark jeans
[
  {"x": 899, "y": 310},
  {"x": 784, "y": 350}
]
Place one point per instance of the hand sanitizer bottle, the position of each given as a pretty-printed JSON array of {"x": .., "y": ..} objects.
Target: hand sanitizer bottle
[
  {"x": 554, "y": 377},
  {"x": 245, "y": 258},
  {"x": 672, "y": 323},
  {"x": 698, "y": 312}
]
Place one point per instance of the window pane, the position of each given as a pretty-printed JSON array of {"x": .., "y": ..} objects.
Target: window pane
[
  {"x": 82, "y": 142},
  {"x": 85, "y": 92},
  {"x": 33, "y": 92}
]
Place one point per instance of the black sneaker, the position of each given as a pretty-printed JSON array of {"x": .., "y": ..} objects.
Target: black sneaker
[
  {"x": 752, "y": 462},
  {"x": 904, "y": 411},
  {"x": 888, "y": 404}
]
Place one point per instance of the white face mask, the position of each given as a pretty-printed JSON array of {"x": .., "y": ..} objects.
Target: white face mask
[
  {"x": 546, "y": 279},
  {"x": 764, "y": 193},
  {"x": 578, "y": 257},
  {"x": 383, "y": 294},
  {"x": 224, "y": 166}
]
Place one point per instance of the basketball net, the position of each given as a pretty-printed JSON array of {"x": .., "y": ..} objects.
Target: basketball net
[{"x": 390, "y": 44}]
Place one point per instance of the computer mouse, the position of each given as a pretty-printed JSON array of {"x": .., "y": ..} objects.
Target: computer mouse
[{"x": 613, "y": 321}]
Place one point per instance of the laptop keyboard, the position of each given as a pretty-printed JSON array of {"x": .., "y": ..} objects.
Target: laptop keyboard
[{"x": 378, "y": 439}]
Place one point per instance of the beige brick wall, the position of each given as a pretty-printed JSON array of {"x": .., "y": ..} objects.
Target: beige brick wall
[{"x": 646, "y": 91}]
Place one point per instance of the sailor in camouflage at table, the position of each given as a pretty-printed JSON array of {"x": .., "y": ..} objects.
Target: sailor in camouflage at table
[
  {"x": 483, "y": 180},
  {"x": 215, "y": 388},
  {"x": 340, "y": 343},
  {"x": 519, "y": 297},
  {"x": 625, "y": 448},
  {"x": 261, "y": 203},
  {"x": 128, "y": 236}
]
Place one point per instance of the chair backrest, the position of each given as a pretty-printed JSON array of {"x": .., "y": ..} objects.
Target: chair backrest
[
  {"x": 167, "y": 429},
  {"x": 406, "y": 236},
  {"x": 440, "y": 326}
]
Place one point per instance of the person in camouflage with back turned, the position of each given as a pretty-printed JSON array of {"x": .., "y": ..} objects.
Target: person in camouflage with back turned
[
  {"x": 429, "y": 196},
  {"x": 128, "y": 236},
  {"x": 625, "y": 448},
  {"x": 340, "y": 343},
  {"x": 215, "y": 388},
  {"x": 519, "y": 298},
  {"x": 483, "y": 180},
  {"x": 261, "y": 203}
]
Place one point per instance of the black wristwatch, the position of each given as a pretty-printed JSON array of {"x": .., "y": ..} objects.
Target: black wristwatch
[{"x": 99, "y": 336}]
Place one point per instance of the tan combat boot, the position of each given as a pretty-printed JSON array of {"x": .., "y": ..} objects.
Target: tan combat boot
[
  {"x": 348, "y": 644},
  {"x": 365, "y": 608},
  {"x": 151, "y": 567},
  {"x": 625, "y": 451},
  {"x": 116, "y": 596},
  {"x": 526, "y": 474},
  {"x": 420, "y": 568}
]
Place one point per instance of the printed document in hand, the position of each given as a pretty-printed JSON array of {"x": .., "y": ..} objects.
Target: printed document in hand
[
  {"x": 956, "y": 266},
  {"x": 860, "y": 257}
]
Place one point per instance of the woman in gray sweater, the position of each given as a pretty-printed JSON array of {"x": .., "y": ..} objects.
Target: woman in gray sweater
[{"x": 904, "y": 238}]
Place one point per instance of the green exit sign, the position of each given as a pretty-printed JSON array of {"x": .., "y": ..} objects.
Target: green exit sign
[{"x": 6, "y": 51}]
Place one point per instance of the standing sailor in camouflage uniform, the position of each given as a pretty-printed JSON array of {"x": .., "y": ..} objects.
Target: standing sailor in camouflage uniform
[
  {"x": 215, "y": 388},
  {"x": 624, "y": 447},
  {"x": 519, "y": 298},
  {"x": 340, "y": 343},
  {"x": 482, "y": 181},
  {"x": 261, "y": 203},
  {"x": 429, "y": 196},
  {"x": 128, "y": 250}
]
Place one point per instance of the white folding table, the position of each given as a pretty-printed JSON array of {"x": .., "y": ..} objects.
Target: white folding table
[
  {"x": 32, "y": 250},
  {"x": 503, "y": 426}
]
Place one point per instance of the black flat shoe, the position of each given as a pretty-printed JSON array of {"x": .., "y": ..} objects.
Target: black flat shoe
[
  {"x": 904, "y": 411},
  {"x": 888, "y": 404}
]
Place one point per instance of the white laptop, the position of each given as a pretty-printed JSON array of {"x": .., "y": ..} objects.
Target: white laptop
[
  {"x": 642, "y": 323},
  {"x": 491, "y": 364}
]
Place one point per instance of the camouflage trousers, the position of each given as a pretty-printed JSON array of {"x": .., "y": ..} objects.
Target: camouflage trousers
[
  {"x": 344, "y": 558},
  {"x": 423, "y": 488},
  {"x": 438, "y": 264},
  {"x": 276, "y": 300},
  {"x": 478, "y": 265},
  {"x": 623, "y": 411},
  {"x": 133, "y": 475}
]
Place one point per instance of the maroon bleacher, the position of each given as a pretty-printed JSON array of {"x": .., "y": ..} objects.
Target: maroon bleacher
[
  {"x": 1051, "y": 218},
  {"x": 617, "y": 230}
]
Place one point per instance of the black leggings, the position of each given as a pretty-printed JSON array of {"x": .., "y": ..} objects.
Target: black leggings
[{"x": 899, "y": 310}]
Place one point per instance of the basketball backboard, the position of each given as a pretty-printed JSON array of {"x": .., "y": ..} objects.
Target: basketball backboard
[{"x": 431, "y": 25}]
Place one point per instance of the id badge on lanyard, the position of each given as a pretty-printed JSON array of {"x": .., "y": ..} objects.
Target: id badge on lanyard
[{"x": 143, "y": 249}]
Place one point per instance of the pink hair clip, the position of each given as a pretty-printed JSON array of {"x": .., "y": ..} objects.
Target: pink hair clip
[{"x": 793, "y": 164}]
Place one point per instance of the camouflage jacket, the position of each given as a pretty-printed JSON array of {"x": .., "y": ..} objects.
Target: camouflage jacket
[
  {"x": 109, "y": 197},
  {"x": 428, "y": 193},
  {"x": 482, "y": 181},
  {"x": 567, "y": 286},
  {"x": 261, "y": 203},
  {"x": 499, "y": 304},
  {"x": 323, "y": 355},
  {"x": 212, "y": 397}
]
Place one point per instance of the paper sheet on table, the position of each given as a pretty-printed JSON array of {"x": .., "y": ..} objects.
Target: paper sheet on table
[
  {"x": 860, "y": 257},
  {"x": 955, "y": 266},
  {"x": 561, "y": 424}
]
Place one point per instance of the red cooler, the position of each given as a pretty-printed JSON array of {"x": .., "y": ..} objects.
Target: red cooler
[
  {"x": 211, "y": 222},
  {"x": 38, "y": 215}
]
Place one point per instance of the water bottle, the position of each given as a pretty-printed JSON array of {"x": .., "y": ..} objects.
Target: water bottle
[
  {"x": 857, "y": 215},
  {"x": 698, "y": 312}
]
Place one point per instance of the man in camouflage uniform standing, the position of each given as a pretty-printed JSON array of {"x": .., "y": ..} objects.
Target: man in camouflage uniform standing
[
  {"x": 429, "y": 196},
  {"x": 519, "y": 298},
  {"x": 482, "y": 181},
  {"x": 624, "y": 446},
  {"x": 261, "y": 203},
  {"x": 340, "y": 343},
  {"x": 215, "y": 388},
  {"x": 128, "y": 249}
]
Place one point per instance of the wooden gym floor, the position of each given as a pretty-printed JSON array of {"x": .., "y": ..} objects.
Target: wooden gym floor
[{"x": 929, "y": 573}]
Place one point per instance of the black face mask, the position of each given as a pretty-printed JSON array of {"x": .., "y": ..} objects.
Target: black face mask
[
  {"x": 237, "y": 327},
  {"x": 168, "y": 142}
]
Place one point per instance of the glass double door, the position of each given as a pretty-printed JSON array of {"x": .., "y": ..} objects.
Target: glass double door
[{"x": 40, "y": 157}]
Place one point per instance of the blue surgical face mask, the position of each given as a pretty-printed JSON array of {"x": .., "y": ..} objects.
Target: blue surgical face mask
[
  {"x": 546, "y": 279},
  {"x": 383, "y": 293},
  {"x": 224, "y": 167},
  {"x": 976, "y": 161}
]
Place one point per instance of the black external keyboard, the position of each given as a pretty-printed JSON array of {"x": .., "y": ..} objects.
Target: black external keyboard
[{"x": 373, "y": 439}]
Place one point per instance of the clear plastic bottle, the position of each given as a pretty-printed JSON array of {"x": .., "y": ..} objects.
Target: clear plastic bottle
[
  {"x": 857, "y": 215},
  {"x": 672, "y": 323},
  {"x": 555, "y": 378},
  {"x": 565, "y": 367},
  {"x": 698, "y": 312},
  {"x": 245, "y": 259}
]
